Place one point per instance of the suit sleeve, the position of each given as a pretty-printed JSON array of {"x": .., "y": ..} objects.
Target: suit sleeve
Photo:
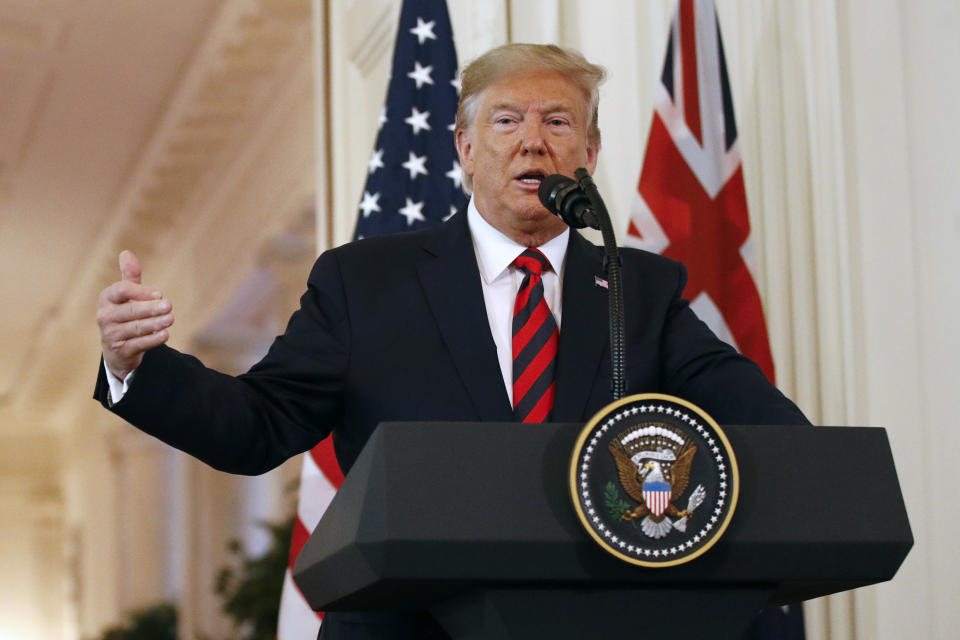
[
  {"x": 248, "y": 424},
  {"x": 703, "y": 369}
]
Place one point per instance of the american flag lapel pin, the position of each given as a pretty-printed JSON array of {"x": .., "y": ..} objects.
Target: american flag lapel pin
[{"x": 600, "y": 282}]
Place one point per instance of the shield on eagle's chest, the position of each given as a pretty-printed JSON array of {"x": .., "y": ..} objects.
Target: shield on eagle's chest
[{"x": 657, "y": 497}]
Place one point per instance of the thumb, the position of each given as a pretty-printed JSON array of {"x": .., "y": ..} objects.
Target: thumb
[{"x": 129, "y": 266}]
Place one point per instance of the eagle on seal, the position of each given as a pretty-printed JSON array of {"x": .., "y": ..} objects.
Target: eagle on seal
[{"x": 654, "y": 479}]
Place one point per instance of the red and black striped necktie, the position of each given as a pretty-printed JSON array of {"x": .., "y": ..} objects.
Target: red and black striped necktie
[{"x": 535, "y": 337}]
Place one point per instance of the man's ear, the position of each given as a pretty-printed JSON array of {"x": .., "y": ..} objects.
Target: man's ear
[
  {"x": 592, "y": 151},
  {"x": 465, "y": 151}
]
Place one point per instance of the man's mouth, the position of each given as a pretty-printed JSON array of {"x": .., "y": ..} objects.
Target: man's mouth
[{"x": 532, "y": 178}]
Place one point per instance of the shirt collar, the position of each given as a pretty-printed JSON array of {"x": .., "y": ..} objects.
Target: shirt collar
[{"x": 495, "y": 251}]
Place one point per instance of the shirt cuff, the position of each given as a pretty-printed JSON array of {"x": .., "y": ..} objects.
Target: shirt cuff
[{"x": 118, "y": 387}]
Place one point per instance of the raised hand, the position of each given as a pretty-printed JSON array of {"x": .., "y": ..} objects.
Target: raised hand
[{"x": 133, "y": 318}]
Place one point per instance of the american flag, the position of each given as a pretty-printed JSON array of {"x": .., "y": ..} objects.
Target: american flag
[
  {"x": 691, "y": 206},
  {"x": 413, "y": 181}
]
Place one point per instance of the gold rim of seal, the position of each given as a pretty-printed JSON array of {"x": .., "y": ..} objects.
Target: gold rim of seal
[{"x": 575, "y": 495}]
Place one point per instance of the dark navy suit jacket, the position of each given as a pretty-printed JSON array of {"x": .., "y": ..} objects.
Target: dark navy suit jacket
[{"x": 395, "y": 328}]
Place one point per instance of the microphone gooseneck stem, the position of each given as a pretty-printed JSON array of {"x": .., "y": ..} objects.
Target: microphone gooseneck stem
[{"x": 611, "y": 267}]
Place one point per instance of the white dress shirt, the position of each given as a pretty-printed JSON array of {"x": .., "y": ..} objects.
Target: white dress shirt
[
  {"x": 500, "y": 282},
  {"x": 118, "y": 387}
]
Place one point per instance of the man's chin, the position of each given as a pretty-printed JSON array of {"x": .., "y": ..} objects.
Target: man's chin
[
  {"x": 534, "y": 211},
  {"x": 539, "y": 220}
]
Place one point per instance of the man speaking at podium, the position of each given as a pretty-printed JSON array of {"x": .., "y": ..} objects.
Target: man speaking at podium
[{"x": 502, "y": 316}]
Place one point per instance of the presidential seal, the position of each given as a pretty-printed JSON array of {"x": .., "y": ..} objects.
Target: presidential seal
[{"x": 654, "y": 480}]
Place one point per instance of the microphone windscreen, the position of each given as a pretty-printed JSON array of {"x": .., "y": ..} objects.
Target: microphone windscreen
[{"x": 550, "y": 187}]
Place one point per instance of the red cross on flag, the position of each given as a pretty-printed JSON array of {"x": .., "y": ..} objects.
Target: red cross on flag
[{"x": 691, "y": 204}]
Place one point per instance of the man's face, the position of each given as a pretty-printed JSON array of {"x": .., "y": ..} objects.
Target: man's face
[{"x": 526, "y": 127}]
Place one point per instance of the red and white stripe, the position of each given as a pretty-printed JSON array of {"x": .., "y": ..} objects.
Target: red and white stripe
[
  {"x": 319, "y": 480},
  {"x": 657, "y": 501}
]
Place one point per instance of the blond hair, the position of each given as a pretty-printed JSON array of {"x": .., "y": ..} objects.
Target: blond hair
[{"x": 522, "y": 58}]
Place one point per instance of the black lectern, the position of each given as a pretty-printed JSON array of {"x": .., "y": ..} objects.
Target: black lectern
[{"x": 474, "y": 522}]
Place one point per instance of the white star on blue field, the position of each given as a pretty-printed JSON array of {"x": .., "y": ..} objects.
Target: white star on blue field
[{"x": 414, "y": 178}]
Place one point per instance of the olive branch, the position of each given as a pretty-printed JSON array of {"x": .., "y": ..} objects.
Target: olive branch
[{"x": 615, "y": 504}]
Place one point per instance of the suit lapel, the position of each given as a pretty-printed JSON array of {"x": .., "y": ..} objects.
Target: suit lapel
[
  {"x": 451, "y": 281},
  {"x": 584, "y": 331}
]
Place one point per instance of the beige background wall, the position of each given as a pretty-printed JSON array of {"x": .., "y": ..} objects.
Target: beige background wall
[{"x": 248, "y": 153}]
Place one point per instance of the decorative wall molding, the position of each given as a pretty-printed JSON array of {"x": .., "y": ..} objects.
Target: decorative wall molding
[
  {"x": 224, "y": 89},
  {"x": 370, "y": 30},
  {"x": 255, "y": 62},
  {"x": 29, "y": 38}
]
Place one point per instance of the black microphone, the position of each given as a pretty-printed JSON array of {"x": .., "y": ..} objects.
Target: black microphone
[
  {"x": 565, "y": 198},
  {"x": 578, "y": 203}
]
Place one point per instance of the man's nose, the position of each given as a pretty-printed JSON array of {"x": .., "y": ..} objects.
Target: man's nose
[{"x": 531, "y": 138}]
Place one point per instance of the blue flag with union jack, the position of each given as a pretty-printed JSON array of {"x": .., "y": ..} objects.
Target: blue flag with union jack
[
  {"x": 691, "y": 205},
  {"x": 413, "y": 177}
]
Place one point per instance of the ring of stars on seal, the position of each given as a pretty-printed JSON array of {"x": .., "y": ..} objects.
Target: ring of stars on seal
[{"x": 654, "y": 480}]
